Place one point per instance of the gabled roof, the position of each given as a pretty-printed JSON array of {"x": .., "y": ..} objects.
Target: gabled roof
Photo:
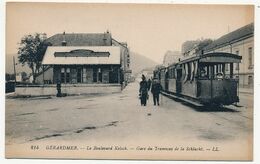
[
  {"x": 243, "y": 32},
  {"x": 81, "y": 39},
  {"x": 81, "y": 55}
]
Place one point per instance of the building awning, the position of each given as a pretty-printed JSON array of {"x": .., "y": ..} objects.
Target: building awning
[{"x": 79, "y": 55}]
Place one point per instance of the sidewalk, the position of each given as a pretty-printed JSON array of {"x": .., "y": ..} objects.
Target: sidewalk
[{"x": 246, "y": 90}]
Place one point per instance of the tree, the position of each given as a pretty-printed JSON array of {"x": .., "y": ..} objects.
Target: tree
[
  {"x": 31, "y": 51},
  {"x": 204, "y": 43}
]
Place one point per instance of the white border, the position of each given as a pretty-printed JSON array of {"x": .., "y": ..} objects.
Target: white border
[{"x": 256, "y": 80}]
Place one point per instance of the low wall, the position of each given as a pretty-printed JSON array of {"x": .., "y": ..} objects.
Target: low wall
[{"x": 70, "y": 89}]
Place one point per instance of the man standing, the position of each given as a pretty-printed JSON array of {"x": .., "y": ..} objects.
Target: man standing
[
  {"x": 143, "y": 91},
  {"x": 156, "y": 88}
]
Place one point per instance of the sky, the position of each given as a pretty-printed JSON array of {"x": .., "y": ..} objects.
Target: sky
[{"x": 149, "y": 29}]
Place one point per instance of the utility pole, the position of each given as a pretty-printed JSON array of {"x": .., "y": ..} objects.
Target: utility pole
[{"x": 14, "y": 70}]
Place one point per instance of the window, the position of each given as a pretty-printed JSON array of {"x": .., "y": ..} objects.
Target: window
[
  {"x": 173, "y": 73},
  {"x": 250, "y": 80},
  {"x": 99, "y": 75},
  {"x": 250, "y": 58},
  {"x": 79, "y": 75},
  {"x": 84, "y": 75},
  {"x": 237, "y": 64},
  {"x": 62, "y": 75},
  {"x": 95, "y": 75},
  {"x": 113, "y": 75},
  {"x": 68, "y": 75}
]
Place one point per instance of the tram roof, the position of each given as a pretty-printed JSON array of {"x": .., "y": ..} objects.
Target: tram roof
[
  {"x": 220, "y": 57},
  {"x": 214, "y": 57}
]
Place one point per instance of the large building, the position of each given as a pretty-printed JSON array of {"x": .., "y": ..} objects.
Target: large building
[
  {"x": 171, "y": 57},
  {"x": 85, "y": 60},
  {"x": 240, "y": 42},
  {"x": 124, "y": 60}
]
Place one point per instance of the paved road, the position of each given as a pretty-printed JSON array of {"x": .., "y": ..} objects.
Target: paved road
[{"x": 120, "y": 118}]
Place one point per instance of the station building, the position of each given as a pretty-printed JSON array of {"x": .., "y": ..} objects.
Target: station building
[
  {"x": 240, "y": 42},
  {"x": 84, "y": 63}
]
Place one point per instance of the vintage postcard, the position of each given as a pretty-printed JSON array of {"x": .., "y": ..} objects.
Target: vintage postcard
[{"x": 129, "y": 81}]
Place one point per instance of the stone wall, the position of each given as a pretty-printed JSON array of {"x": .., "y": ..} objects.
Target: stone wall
[{"x": 69, "y": 89}]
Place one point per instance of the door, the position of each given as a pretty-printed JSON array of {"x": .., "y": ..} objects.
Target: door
[{"x": 89, "y": 75}]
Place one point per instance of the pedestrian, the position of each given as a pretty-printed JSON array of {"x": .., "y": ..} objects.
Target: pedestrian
[
  {"x": 149, "y": 84},
  {"x": 143, "y": 91},
  {"x": 156, "y": 88}
]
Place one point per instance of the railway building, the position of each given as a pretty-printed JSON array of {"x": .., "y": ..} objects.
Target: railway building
[
  {"x": 240, "y": 42},
  {"x": 84, "y": 63}
]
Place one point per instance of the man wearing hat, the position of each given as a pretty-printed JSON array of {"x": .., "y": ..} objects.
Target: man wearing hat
[
  {"x": 143, "y": 91},
  {"x": 156, "y": 88}
]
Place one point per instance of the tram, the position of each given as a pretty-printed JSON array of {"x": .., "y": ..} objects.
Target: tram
[{"x": 205, "y": 79}]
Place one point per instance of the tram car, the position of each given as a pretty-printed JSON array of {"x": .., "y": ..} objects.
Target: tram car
[{"x": 206, "y": 79}]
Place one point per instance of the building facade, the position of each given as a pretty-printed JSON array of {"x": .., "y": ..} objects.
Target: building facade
[
  {"x": 83, "y": 64},
  {"x": 240, "y": 42},
  {"x": 124, "y": 60},
  {"x": 84, "y": 60}
]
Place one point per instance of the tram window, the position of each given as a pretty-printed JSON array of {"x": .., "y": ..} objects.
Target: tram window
[
  {"x": 166, "y": 75},
  {"x": 203, "y": 73},
  {"x": 189, "y": 71},
  {"x": 227, "y": 67},
  {"x": 171, "y": 73}
]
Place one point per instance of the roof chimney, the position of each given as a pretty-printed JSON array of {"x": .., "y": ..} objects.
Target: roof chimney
[
  {"x": 64, "y": 43},
  {"x": 44, "y": 36}
]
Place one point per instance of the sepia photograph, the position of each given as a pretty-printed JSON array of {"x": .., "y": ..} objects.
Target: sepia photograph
[{"x": 129, "y": 81}]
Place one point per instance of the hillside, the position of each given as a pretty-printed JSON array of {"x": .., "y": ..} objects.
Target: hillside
[{"x": 139, "y": 62}]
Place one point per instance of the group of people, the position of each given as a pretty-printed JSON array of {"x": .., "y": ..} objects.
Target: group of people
[{"x": 152, "y": 85}]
